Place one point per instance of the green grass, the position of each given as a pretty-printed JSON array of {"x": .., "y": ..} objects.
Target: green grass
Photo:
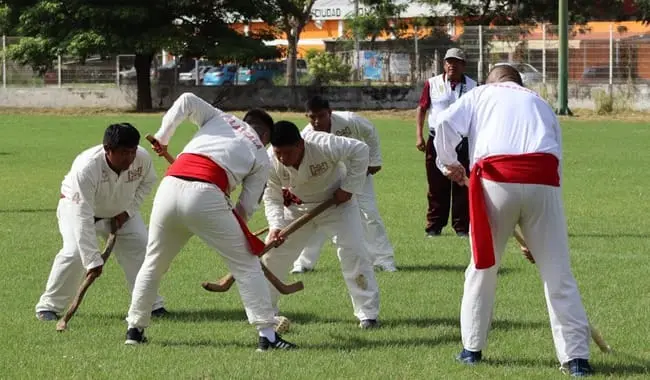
[{"x": 606, "y": 197}]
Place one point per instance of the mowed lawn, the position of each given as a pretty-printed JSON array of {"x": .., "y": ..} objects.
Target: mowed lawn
[{"x": 207, "y": 336}]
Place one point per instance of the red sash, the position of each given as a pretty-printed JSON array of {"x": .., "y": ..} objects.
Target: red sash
[
  {"x": 530, "y": 168},
  {"x": 204, "y": 169}
]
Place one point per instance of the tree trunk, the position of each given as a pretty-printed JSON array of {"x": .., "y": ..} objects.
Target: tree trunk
[
  {"x": 292, "y": 54},
  {"x": 143, "y": 79}
]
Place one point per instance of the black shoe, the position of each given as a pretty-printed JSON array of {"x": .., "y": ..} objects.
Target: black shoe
[
  {"x": 279, "y": 344},
  {"x": 577, "y": 368},
  {"x": 469, "y": 357},
  {"x": 367, "y": 324},
  {"x": 135, "y": 336},
  {"x": 434, "y": 233},
  {"x": 47, "y": 315},
  {"x": 159, "y": 312}
]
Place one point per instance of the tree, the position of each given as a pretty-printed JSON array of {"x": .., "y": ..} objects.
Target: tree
[
  {"x": 379, "y": 17},
  {"x": 143, "y": 27},
  {"x": 290, "y": 17}
]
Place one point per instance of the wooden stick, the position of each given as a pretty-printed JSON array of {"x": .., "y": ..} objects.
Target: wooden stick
[
  {"x": 90, "y": 278},
  {"x": 225, "y": 283}
]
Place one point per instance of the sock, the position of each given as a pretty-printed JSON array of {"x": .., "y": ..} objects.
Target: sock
[{"x": 268, "y": 333}]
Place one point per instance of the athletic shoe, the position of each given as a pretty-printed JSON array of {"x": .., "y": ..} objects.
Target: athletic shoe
[
  {"x": 577, "y": 368},
  {"x": 469, "y": 357},
  {"x": 301, "y": 269},
  {"x": 368, "y": 324},
  {"x": 135, "y": 336},
  {"x": 387, "y": 267},
  {"x": 47, "y": 315},
  {"x": 279, "y": 344},
  {"x": 159, "y": 312}
]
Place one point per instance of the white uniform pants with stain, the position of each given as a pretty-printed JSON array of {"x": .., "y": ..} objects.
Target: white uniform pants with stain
[
  {"x": 67, "y": 271},
  {"x": 343, "y": 223},
  {"x": 539, "y": 211},
  {"x": 182, "y": 209},
  {"x": 375, "y": 238}
]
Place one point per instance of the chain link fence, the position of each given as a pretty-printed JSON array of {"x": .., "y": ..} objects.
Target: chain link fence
[{"x": 612, "y": 56}]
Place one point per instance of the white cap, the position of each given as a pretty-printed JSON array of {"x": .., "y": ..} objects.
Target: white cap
[{"x": 455, "y": 53}]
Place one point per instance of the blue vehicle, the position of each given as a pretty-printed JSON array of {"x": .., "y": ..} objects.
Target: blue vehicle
[{"x": 225, "y": 75}]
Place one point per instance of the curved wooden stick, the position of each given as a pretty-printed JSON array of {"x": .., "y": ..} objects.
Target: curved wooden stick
[
  {"x": 165, "y": 153},
  {"x": 224, "y": 284},
  {"x": 90, "y": 278}
]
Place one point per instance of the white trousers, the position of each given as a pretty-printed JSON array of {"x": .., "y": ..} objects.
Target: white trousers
[
  {"x": 67, "y": 271},
  {"x": 182, "y": 209},
  {"x": 539, "y": 211},
  {"x": 375, "y": 238},
  {"x": 342, "y": 222}
]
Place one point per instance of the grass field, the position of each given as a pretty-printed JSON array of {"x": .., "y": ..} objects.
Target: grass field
[{"x": 606, "y": 196}]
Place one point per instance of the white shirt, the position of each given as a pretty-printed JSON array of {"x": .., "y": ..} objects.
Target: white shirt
[
  {"x": 499, "y": 118},
  {"x": 95, "y": 190},
  {"x": 228, "y": 141},
  {"x": 318, "y": 175},
  {"x": 350, "y": 124},
  {"x": 441, "y": 96}
]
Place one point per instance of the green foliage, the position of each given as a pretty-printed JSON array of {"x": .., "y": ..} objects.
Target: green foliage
[
  {"x": 379, "y": 16},
  {"x": 326, "y": 67},
  {"x": 37, "y": 52}
]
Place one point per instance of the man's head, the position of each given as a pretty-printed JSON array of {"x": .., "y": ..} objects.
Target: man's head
[
  {"x": 121, "y": 145},
  {"x": 504, "y": 73},
  {"x": 455, "y": 64},
  {"x": 319, "y": 113},
  {"x": 288, "y": 145},
  {"x": 261, "y": 122}
]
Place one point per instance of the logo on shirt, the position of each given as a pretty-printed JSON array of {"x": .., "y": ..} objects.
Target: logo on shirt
[
  {"x": 134, "y": 174},
  {"x": 76, "y": 198},
  {"x": 318, "y": 169},
  {"x": 344, "y": 132}
]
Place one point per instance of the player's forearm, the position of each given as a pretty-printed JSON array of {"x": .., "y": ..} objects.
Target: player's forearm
[
  {"x": 187, "y": 106},
  {"x": 445, "y": 142},
  {"x": 86, "y": 236},
  {"x": 419, "y": 122},
  {"x": 143, "y": 190}
]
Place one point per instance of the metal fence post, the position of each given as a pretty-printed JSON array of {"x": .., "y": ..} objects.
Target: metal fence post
[
  {"x": 611, "y": 57},
  {"x": 544, "y": 53},
  {"x": 479, "y": 74},
  {"x": 4, "y": 61},
  {"x": 117, "y": 70},
  {"x": 58, "y": 70}
]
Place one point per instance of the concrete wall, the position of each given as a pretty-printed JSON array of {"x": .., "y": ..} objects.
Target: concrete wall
[{"x": 282, "y": 98}]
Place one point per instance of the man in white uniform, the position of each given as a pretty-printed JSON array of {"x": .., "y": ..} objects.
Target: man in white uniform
[
  {"x": 349, "y": 124},
  {"x": 105, "y": 182},
  {"x": 309, "y": 167},
  {"x": 193, "y": 199},
  {"x": 515, "y": 148},
  {"x": 443, "y": 195}
]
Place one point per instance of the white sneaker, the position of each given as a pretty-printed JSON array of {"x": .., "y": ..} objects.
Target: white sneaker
[
  {"x": 282, "y": 324},
  {"x": 297, "y": 268},
  {"x": 387, "y": 267}
]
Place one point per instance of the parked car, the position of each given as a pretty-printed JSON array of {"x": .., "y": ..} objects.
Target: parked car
[
  {"x": 600, "y": 75},
  {"x": 225, "y": 75},
  {"x": 529, "y": 74},
  {"x": 263, "y": 73},
  {"x": 189, "y": 77}
]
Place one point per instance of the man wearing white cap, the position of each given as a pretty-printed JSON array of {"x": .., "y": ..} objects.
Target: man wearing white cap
[{"x": 438, "y": 94}]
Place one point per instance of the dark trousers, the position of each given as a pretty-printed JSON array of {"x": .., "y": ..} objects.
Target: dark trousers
[{"x": 444, "y": 193}]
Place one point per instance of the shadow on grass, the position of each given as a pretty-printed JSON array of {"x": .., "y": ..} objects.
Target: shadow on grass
[
  {"x": 607, "y": 369},
  {"x": 444, "y": 268},
  {"x": 499, "y": 324},
  {"x": 610, "y": 235},
  {"x": 27, "y": 210},
  {"x": 339, "y": 343}
]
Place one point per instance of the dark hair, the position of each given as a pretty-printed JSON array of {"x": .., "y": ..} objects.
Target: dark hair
[
  {"x": 121, "y": 135},
  {"x": 285, "y": 133},
  {"x": 257, "y": 117},
  {"x": 316, "y": 104}
]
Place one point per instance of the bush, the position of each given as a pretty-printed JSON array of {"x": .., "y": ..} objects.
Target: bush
[
  {"x": 604, "y": 102},
  {"x": 326, "y": 67}
]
